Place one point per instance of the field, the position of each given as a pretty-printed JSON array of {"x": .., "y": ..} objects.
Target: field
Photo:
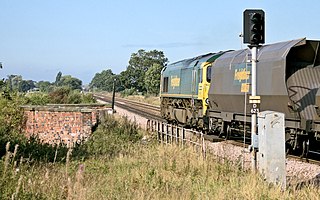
[{"x": 116, "y": 164}]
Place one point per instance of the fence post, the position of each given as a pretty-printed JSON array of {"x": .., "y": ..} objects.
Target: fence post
[
  {"x": 152, "y": 125},
  {"x": 162, "y": 132},
  {"x": 167, "y": 133},
  {"x": 158, "y": 131},
  {"x": 172, "y": 131},
  {"x": 204, "y": 149},
  {"x": 148, "y": 125},
  {"x": 183, "y": 136},
  {"x": 177, "y": 135},
  {"x": 200, "y": 143}
]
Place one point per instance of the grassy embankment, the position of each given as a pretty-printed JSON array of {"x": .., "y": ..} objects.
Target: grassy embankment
[
  {"x": 115, "y": 164},
  {"x": 153, "y": 100}
]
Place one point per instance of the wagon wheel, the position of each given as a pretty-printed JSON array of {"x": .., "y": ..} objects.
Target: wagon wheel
[
  {"x": 221, "y": 133},
  {"x": 288, "y": 147},
  {"x": 305, "y": 149},
  {"x": 228, "y": 132}
]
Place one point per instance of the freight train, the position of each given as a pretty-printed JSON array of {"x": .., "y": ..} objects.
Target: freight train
[{"x": 210, "y": 92}]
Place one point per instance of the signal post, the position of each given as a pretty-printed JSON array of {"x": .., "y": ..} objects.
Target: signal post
[{"x": 254, "y": 35}]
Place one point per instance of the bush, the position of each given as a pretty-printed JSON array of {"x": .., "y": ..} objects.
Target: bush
[
  {"x": 11, "y": 117},
  {"x": 12, "y": 122},
  {"x": 128, "y": 92},
  {"x": 88, "y": 98},
  {"x": 59, "y": 95},
  {"x": 112, "y": 137},
  {"x": 37, "y": 98},
  {"x": 74, "y": 97}
]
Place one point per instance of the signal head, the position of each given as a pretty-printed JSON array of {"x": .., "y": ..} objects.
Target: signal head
[{"x": 254, "y": 27}]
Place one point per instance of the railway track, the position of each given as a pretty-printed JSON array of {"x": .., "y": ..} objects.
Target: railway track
[
  {"x": 153, "y": 112},
  {"x": 289, "y": 156},
  {"x": 143, "y": 109}
]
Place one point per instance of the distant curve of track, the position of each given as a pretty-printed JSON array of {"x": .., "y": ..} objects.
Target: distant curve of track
[{"x": 142, "y": 109}]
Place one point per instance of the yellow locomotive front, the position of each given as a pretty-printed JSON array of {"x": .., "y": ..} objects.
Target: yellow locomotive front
[{"x": 184, "y": 90}]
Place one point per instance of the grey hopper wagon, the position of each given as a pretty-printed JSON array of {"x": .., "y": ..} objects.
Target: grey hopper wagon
[{"x": 288, "y": 81}]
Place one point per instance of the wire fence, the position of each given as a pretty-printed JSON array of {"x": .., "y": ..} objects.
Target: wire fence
[{"x": 171, "y": 134}]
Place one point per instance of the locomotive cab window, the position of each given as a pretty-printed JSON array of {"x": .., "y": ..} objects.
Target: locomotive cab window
[
  {"x": 165, "y": 84},
  {"x": 209, "y": 74}
]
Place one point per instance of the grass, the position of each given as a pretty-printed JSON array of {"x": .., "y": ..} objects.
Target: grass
[
  {"x": 153, "y": 100},
  {"x": 103, "y": 169}
]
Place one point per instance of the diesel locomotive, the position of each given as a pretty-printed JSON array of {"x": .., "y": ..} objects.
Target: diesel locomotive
[{"x": 210, "y": 92}]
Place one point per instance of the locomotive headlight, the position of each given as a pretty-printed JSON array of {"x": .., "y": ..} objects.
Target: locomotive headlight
[{"x": 207, "y": 101}]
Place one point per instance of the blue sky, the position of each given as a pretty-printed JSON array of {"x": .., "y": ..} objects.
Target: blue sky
[{"x": 39, "y": 38}]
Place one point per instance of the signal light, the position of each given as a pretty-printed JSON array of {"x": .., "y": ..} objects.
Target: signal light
[{"x": 254, "y": 27}]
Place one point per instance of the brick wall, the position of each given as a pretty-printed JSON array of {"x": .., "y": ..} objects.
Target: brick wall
[{"x": 65, "y": 123}]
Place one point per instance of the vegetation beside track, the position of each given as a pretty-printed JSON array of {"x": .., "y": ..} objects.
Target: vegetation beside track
[{"x": 117, "y": 164}]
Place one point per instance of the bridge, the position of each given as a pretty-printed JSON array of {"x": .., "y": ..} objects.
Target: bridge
[{"x": 63, "y": 123}]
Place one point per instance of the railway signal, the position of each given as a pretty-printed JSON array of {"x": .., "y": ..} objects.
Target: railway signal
[
  {"x": 113, "y": 95},
  {"x": 253, "y": 27}
]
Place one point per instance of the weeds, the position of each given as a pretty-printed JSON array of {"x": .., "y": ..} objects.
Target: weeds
[{"x": 113, "y": 164}]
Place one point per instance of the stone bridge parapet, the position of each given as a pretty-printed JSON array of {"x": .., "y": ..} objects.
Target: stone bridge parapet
[{"x": 63, "y": 123}]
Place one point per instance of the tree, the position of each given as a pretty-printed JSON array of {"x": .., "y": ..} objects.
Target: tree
[
  {"x": 4, "y": 87},
  {"x": 139, "y": 64},
  {"x": 44, "y": 86},
  {"x": 14, "y": 81},
  {"x": 120, "y": 83},
  {"x": 103, "y": 80},
  {"x": 58, "y": 78},
  {"x": 152, "y": 79},
  {"x": 25, "y": 85},
  {"x": 71, "y": 82}
]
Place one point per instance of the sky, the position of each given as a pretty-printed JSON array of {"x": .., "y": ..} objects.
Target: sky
[{"x": 39, "y": 38}]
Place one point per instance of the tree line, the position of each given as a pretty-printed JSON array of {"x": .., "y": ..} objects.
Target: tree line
[
  {"x": 142, "y": 75},
  {"x": 15, "y": 83},
  {"x": 64, "y": 90}
]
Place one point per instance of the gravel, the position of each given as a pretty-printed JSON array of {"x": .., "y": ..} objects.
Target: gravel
[
  {"x": 297, "y": 172},
  {"x": 141, "y": 121}
]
